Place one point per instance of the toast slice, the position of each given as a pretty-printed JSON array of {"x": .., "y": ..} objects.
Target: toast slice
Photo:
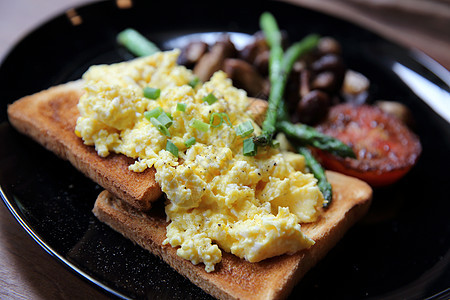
[
  {"x": 235, "y": 278},
  {"x": 50, "y": 116}
]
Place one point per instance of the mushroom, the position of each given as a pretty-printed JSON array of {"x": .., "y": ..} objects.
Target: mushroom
[
  {"x": 329, "y": 62},
  {"x": 313, "y": 107},
  {"x": 328, "y": 45},
  {"x": 245, "y": 76},
  {"x": 328, "y": 73},
  {"x": 355, "y": 87},
  {"x": 261, "y": 62},
  {"x": 257, "y": 52},
  {"x": 325, "y": 81},
  {"x": 305, "y": 87},
  {"x": 212, "y": 61},
  {"x": 192, "y": 53},
  {"x": 253, "y": 49}
]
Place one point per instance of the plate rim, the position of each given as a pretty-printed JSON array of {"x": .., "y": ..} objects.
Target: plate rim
[{"x": 418, "y": 56}]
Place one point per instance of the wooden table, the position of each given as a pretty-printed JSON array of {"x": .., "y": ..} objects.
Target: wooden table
[{"x": 28, "y": 272}]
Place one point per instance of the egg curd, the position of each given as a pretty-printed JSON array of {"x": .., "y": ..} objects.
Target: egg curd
[{"x": 217, "y": 197}]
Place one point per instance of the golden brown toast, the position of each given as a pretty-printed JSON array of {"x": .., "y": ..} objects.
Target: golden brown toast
[
  {"x": 235, "y": 278},
  {"x": 49, "y": 117}
]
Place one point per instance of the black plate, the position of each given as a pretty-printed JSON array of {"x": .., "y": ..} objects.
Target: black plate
[{"x": 400, "y": 250}]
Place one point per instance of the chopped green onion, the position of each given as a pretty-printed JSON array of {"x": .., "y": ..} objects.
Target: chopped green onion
[
  {"x": 165, "y": 120},
  {"x": 210, "y": 98},
  {"x": 211, "y": 119},
  {"x": 221, "y": 116},
  {"x": 163, "y": 129},
  {"x": 227, "y": 119},
  {"x": 199, "y": 125},
  {"x": 189, "y": 142},
  {"x": 249, "y": 147},
  {"x": 172, "y": 148},
  {"x": 244, "y": 129},
  {"x": 151, "y": 93},
  {"x": 154, "y": 113},
  {"x": 194, "y": 81},
  {"x": 136, "y": 43},
  {"x": 181, "y": 106}
]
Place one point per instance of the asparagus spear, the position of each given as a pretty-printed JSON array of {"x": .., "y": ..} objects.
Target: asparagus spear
[
  {"x": 307, "y": 135},
  {"x": 280, "y": 65},
  {"x": 310, "y": 136},
  {"x": 319, "y": 173},
  {"x": 279, "y": 69}
]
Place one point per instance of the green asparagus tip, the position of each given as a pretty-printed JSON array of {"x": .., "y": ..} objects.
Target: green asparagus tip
[
  {"x": 319, "y": 173},
  {"x": 325, "y": 188}
]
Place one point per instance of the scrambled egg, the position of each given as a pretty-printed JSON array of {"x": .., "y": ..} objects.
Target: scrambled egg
[{"x": 217, "y": 197}]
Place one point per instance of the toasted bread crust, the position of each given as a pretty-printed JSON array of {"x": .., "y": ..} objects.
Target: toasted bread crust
[
  {"x": 50, "y": 116},
  {"x": 235, "y": 278}
]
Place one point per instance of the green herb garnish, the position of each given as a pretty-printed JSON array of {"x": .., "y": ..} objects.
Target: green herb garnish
[
  {"x": 151, "y": 93},
  {"x": 189, "y": 142},
  {"x": 165, "y": 120},
  {"x": 136, "y": 43},
  {"x": 199, "y": 125},
  {"x": 172, "y": 148},
  {"x": 244, "y": 129},
  {"x": 194, "y": 81},
  {"x": 162, "y": 128},
  {"x": 249, "y": 147},
  {"x": 154, "y": 113},
  {"x": 181, "y": 106},
  {"x": 210, "y": 98}
]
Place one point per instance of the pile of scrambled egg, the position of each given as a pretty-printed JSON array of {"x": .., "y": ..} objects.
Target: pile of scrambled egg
[{"x": 217, "y": 197}]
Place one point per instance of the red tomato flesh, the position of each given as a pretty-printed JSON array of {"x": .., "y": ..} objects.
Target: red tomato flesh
[{"x": 385, "y": 148}]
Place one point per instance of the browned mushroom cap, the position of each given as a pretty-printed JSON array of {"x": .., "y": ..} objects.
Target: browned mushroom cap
[
  {"x": 212, "y": 61},
  {"x": 329, "y": 72},
  {"x": 253, "y": 49},
  {"x": 325, "y": 81},
  {"x": 355, "y": 87},
  {"x": 329, "y": 45},
  {"x": 257, "y": 52},
  {"x": 261, "y": 62},
  {"x": 192, "y": 53},
  {"x": 245, "y": 76},
  {"x": 313, "y": 107},
  {"x": 305, "y": 85},
  {"x": 329, "y": 62}
]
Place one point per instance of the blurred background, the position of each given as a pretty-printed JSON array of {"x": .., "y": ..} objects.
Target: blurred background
[{"x": 419, "y": 24}]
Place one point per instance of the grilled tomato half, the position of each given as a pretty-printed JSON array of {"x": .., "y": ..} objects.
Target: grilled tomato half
[{"x": 385, "y": 148}]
